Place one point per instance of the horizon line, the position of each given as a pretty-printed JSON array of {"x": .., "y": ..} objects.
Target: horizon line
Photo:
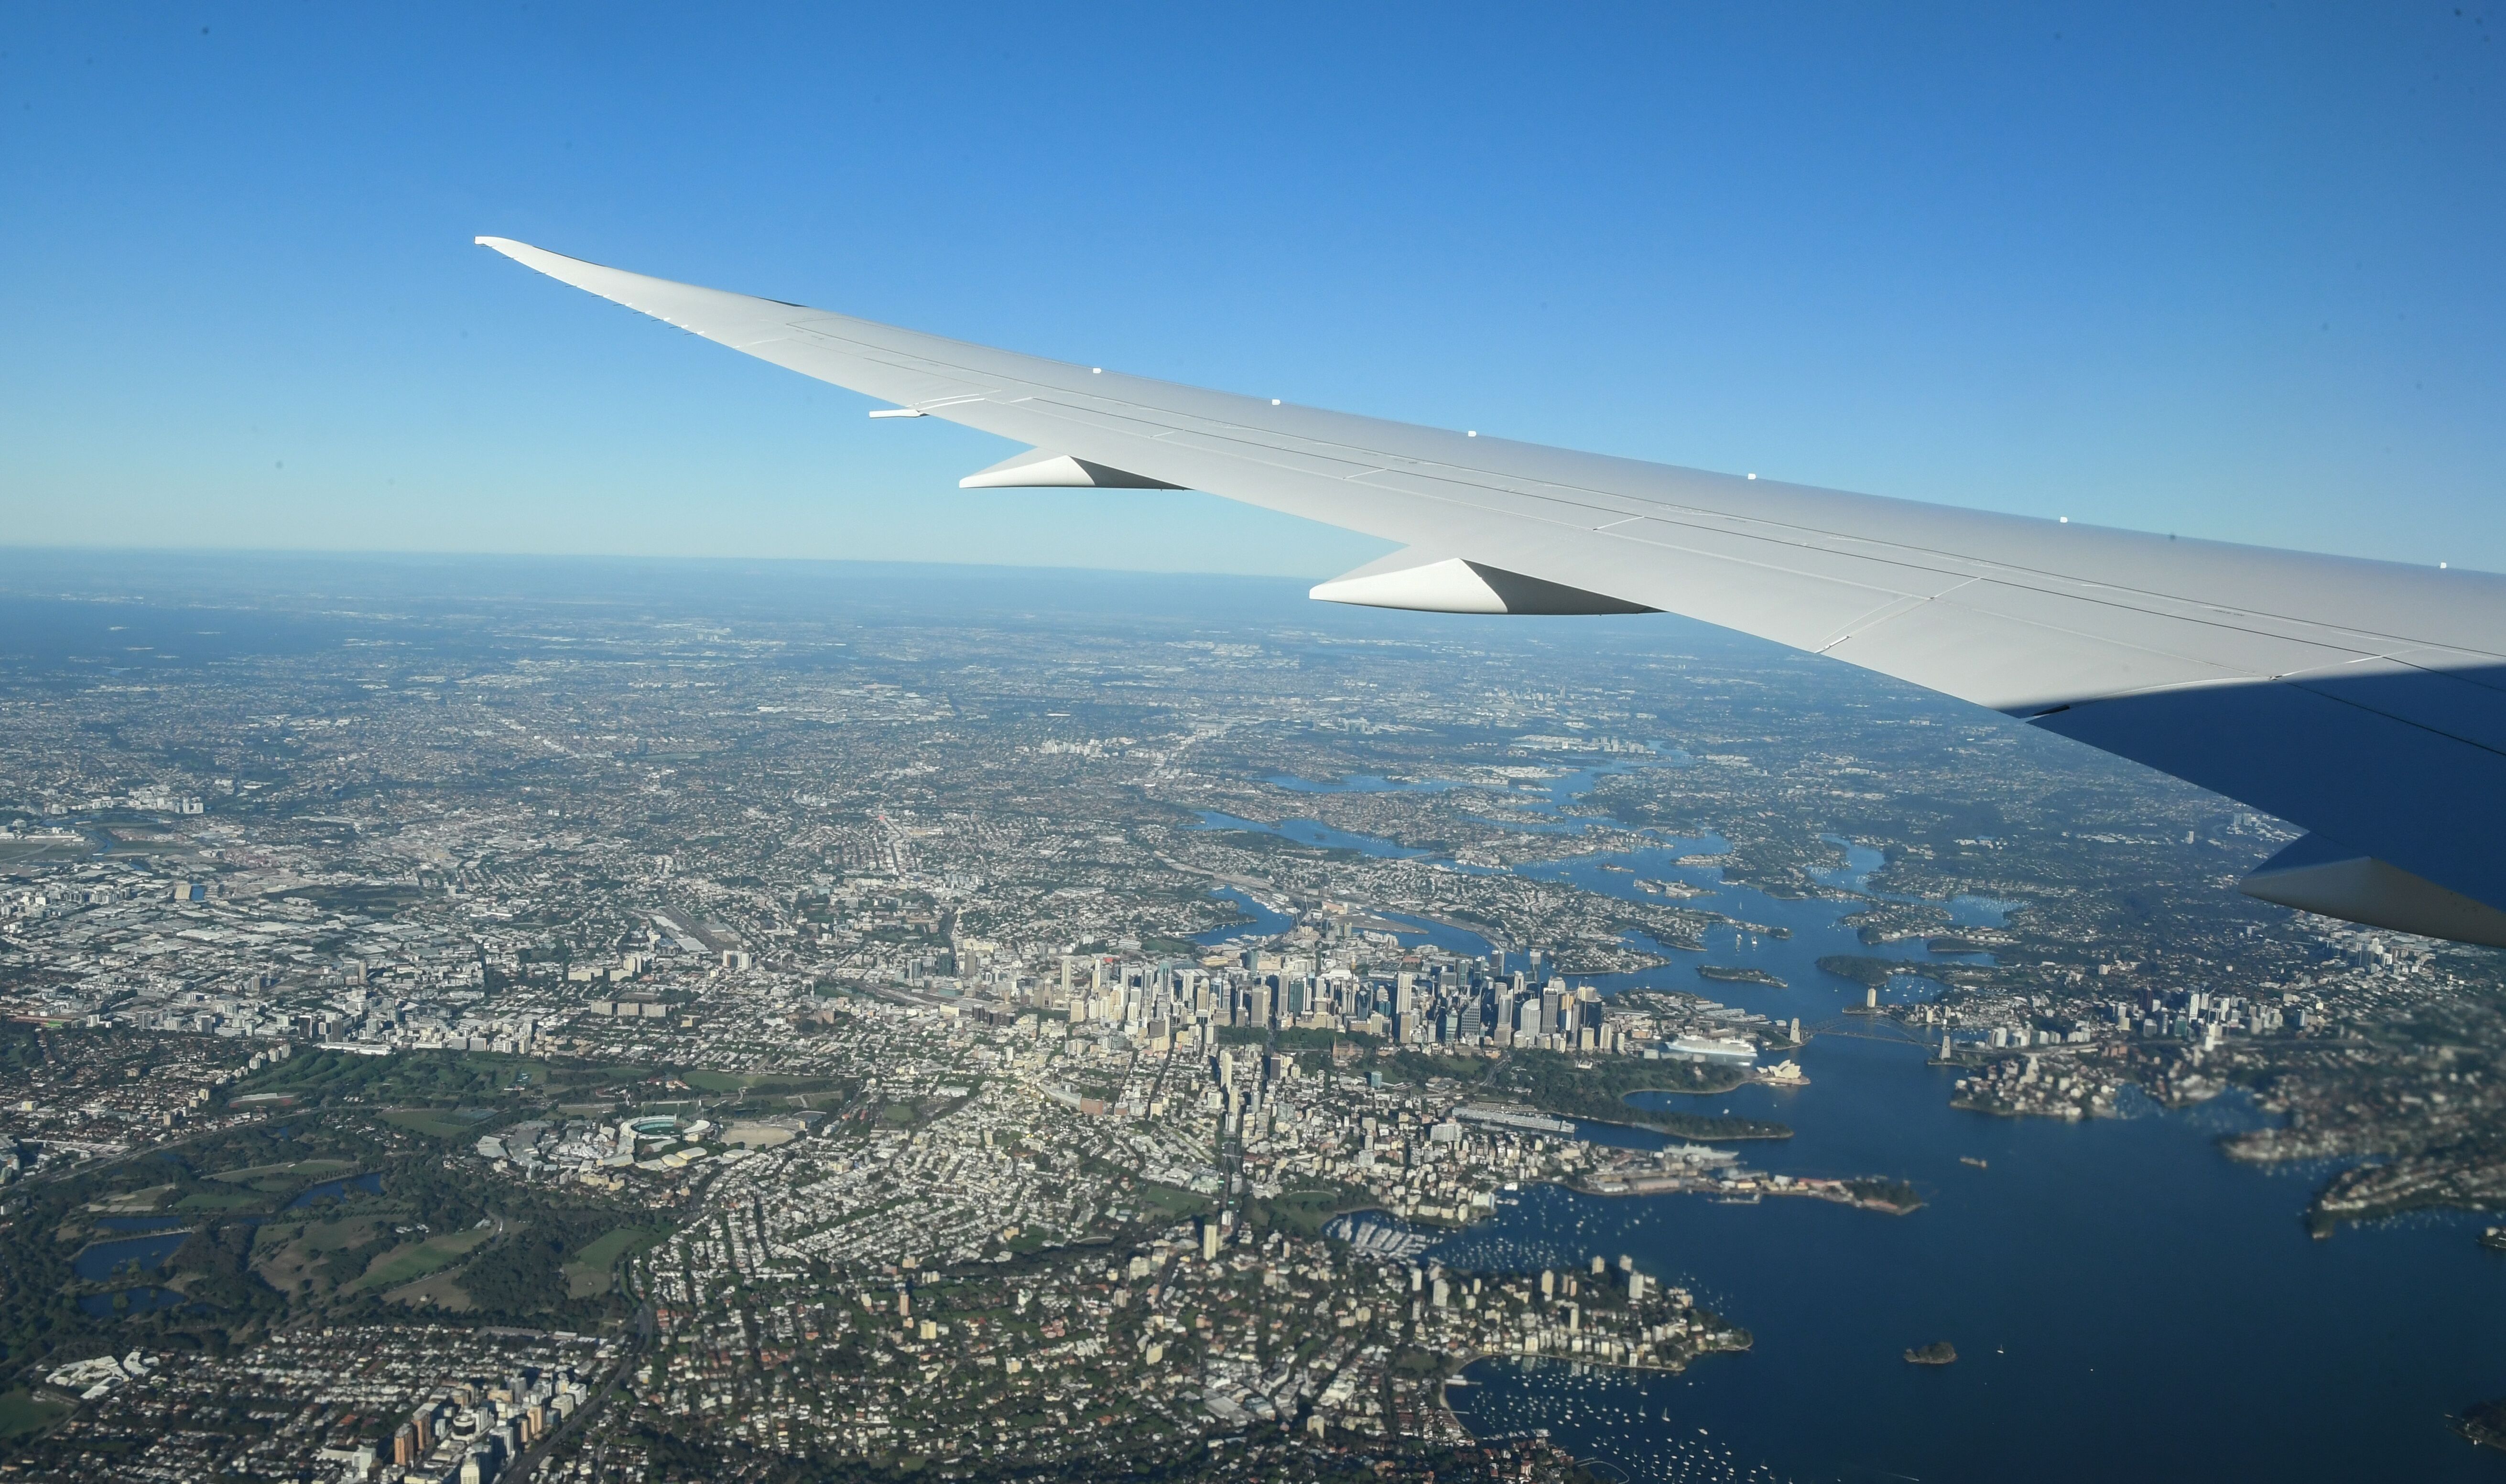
[{"x": 14, "y": 550}]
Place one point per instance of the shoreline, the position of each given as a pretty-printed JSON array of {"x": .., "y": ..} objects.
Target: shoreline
[
  {"x": 1817, "y": 1188},
  {"x": 1456, "y": 1377},
  {"x": 1673, "y": 1133}
]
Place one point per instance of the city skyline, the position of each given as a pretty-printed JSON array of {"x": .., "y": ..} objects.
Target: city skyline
[{"x": 551, "y": 980}]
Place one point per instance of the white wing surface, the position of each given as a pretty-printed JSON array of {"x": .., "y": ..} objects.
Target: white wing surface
[{"x": 2364, "y": 701}]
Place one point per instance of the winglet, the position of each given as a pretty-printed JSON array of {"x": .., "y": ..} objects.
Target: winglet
[
  {"x": 521, "y": 252},
  {"x": 728, "y": 318}
]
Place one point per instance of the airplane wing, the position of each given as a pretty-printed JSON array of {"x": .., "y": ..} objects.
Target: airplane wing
[{"x": 2364, "y": 701}]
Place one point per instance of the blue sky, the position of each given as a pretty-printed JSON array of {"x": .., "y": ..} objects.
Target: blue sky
[{"x": 2232, "y": 271}]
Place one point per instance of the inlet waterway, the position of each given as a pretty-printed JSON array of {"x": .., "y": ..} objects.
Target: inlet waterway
[{"x": 2125, "y": 1301}]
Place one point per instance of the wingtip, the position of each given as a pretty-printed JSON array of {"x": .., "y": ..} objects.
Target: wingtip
[
  {"x": 540, "y": 260},
  {"x": 558, "y": 266}
]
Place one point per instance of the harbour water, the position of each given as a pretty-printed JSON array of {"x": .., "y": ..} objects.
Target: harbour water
[
  {"x": 2125, "y": 1301},
  {"x": 1267, "y": 922}
]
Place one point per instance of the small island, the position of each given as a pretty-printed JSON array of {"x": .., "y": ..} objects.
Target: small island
[
  {"x": 2483, "y": 1424},
  {"x": 1727, "y": 976},
  {"x": 1937, "y": 1352}
]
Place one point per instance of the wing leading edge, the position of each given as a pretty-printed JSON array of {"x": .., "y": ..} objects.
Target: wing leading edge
[{"x": 2364, "y": 701}]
